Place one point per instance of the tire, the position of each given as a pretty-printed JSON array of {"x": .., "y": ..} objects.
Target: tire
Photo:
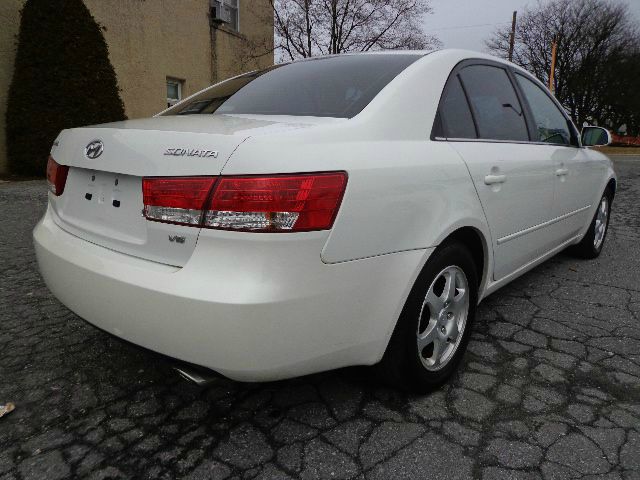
[
  {"x": 426, "y": 327},
  {"x": 591, "y": 244}
]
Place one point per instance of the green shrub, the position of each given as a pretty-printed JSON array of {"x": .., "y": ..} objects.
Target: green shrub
[{"x": 62, "y": 79}]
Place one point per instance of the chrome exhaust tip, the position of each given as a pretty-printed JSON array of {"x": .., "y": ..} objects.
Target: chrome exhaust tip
[{"x": 198, "y": 377}]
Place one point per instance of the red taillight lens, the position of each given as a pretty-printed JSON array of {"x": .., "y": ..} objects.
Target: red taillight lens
[
  {"x": 56, "y": 176},
  {"x": 276, "y": 203},
  {"x": 176, "y": 200}
]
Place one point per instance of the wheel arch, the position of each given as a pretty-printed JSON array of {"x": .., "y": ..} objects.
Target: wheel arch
[
  {"x": 471, "y": 233},
  {"x": 470, "y": 238},
  {"x": 479, "y": 246}
]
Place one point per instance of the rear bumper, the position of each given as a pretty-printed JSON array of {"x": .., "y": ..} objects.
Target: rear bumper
[{"x": 253, "y": 307}]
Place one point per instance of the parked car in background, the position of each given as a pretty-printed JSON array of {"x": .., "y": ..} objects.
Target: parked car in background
[{"x": 335, "y": 211}]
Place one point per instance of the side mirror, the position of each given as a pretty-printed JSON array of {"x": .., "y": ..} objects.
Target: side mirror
[{"x": 595, "y": 136}]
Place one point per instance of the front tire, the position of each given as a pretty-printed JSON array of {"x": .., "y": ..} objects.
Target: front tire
[
  {"x": 433, "y": 330},
  {"x": 591, "y": 244}
]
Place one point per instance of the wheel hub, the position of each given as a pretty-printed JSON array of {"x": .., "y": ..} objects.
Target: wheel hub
[
  {"x": 602, "y": 218},
  {"x": 446, "y": 306}
]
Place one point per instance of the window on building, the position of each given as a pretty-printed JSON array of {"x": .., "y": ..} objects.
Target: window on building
[
  {"x": 227, "y": 11},
  {"x": 174, "y": 91}
]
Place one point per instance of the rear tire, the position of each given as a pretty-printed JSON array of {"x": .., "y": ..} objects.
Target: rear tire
[
  {"x": 433, "y": 330},
  {"x": 591, "y": 244}
]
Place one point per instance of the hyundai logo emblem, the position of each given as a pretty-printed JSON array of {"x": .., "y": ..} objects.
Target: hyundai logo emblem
[{"x": 94, "y": 149}]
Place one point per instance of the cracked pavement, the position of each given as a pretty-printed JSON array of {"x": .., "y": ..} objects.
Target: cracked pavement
[{"x": 549, "y": 388}]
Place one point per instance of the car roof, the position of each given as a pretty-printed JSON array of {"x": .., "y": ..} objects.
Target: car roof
[{"x": 453, "y": 53}]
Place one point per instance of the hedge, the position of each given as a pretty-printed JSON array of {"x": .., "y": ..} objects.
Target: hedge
[{"x": 62, "y": 78}]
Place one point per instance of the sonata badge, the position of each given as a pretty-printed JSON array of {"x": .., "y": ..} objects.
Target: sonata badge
[{"x": 191, "y": 152}]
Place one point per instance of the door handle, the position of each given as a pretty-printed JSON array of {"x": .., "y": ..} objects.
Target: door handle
[
  {"x": 493, "y": 179},
  {"x": 562, "y": 171}
]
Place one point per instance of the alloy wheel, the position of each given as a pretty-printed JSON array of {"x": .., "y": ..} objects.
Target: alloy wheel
[
  {"x": 443, "y": 318},
  {"x": 602, "y": 218}
]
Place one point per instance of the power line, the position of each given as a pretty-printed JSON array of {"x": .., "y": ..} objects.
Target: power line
[{"x": 467, "y": 26}]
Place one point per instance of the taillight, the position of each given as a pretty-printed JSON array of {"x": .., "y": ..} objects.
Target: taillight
[
  {"x": 56, "y": 176},
  {"x": 274, "y": 203},
  {"x": 176, "y": 200}
]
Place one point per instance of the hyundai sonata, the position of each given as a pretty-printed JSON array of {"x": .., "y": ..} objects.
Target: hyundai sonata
[{"x": 340, "y": 210}]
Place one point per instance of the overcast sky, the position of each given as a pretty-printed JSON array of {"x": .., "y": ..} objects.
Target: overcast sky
[{"x": 467, "y": 23}]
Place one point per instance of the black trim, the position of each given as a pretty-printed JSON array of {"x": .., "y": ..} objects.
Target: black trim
[
  {"x": 438, "y": 128},
  {"x": 466, "y": 97},
  {"x": 529, "y": 119}
]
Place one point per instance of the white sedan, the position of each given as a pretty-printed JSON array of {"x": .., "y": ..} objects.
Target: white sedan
[{"x": 341, "y": 210}]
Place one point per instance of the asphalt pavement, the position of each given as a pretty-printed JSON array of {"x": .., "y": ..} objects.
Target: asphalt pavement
[{"x": 550, "y": 386}]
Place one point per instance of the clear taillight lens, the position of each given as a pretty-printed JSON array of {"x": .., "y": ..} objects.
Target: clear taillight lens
[
  {"x": 275, "y": 203},
  {"x": 176, "y": 200},
  {"x": 56, "y": 176}
]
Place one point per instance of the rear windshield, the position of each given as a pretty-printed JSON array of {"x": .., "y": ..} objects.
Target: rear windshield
[{"x": 338, "y": 86}]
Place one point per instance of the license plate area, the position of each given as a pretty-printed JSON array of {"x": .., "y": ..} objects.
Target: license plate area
[
  {"x": 106, "y": 209},
  {"x": 111, "y": 190},
  {"x": 104, "y": 204}
]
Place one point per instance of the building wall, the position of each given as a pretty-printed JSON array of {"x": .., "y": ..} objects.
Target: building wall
[
  {"x": 151, "y": 40},
  {"x": 10, "y": 21},
  {"x": 249, "y": 49}
]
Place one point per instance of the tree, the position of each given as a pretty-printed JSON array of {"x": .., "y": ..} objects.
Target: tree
[
  {"x": 594, "y": 38},
  {"x": 305, "y": 28},
  {"x": 622, "y": 95},
  {"x": 62, "y": 78}
]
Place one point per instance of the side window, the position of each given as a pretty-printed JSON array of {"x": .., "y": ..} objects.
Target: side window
[
  {"x": 455, "y": 115},
  {"x": 551, "y": 124},
  {"x": 495, "y": 105}
]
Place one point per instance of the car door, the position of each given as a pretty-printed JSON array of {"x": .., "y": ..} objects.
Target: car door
[
  {"x": 577, "y": 177},
  {"x": 482, "y": 117}
]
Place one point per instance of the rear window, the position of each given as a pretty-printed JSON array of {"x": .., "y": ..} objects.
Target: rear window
[{"x": 338, "y": 86}]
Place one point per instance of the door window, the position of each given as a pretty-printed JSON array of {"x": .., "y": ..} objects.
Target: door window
[
  {"x": 494, "y": 103},
  {"x": 455, "y": 115},
  {"x": 551, "y": 125}
]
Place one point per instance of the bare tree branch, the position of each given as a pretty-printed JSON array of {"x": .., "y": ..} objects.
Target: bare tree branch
[
  {"x": 594, "y": 37},
  {"x": 311, "y": 27}
]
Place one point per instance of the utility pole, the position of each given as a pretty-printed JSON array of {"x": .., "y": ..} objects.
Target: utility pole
[
  {"x": 554, "y": 47},
  {"x": 512, "y": 37}
]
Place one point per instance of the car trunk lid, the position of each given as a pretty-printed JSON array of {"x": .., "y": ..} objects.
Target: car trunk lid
[{"x": 103, "y": 202}]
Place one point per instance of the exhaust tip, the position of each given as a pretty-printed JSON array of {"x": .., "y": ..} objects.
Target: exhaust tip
[{"x": 195, "y": 376}]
